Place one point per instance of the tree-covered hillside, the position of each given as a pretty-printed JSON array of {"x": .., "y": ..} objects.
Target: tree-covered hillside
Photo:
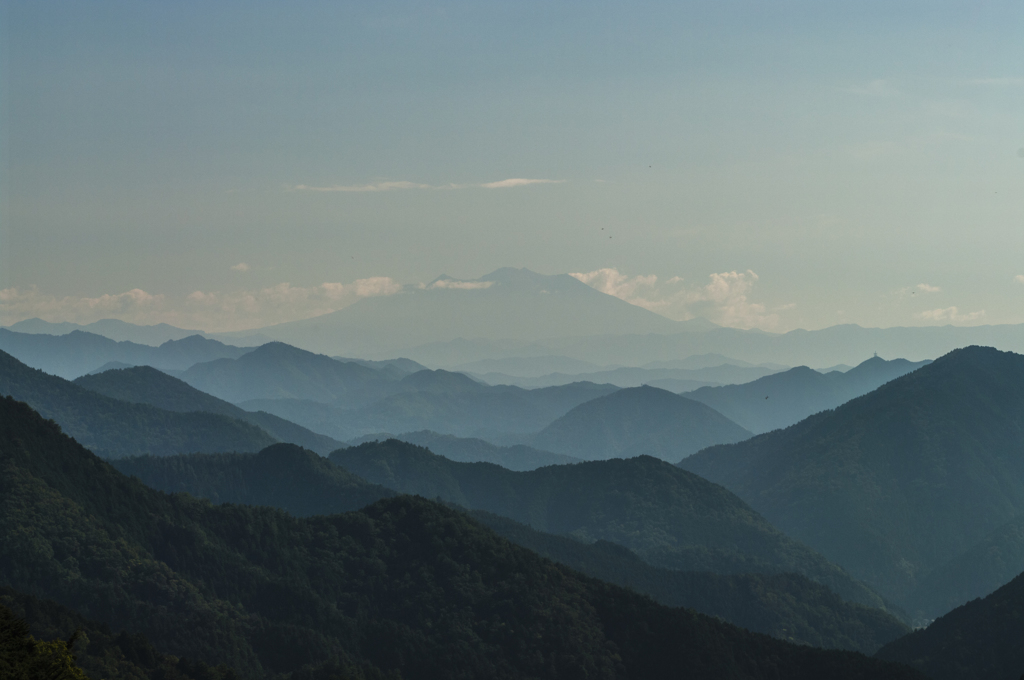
[
  {"x": 896, "y": 483},
  {"x": 404, "y": 586},
  {"x": 114, "y": 428},
  {"x": 787, "y": 606},
  {"x": 283, "y": 476},
  {"x": 146, "y": 385},
  {"x": 39, "y": 631},
  {"x": 669, "y": 517},
  {"x": 980, "y": 640}
]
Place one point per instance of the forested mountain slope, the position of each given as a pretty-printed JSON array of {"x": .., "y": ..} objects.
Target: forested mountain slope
[
  {"x": 980, "y": 640},
  {"x": 898, "y": 482},
  {"x": 786, "y": 606},
  {"x": 283, "y": 476},
  {"x": 146, "y": 385},
  {"x": 670, "y": 518},
  {"x": 403, "y": 586},
  {"x": 116, "y": 428}
]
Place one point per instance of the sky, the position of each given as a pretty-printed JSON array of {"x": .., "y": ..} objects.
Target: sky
[{"x": 775, "y": 165}]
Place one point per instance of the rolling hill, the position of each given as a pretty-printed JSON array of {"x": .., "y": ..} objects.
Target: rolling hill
[
  {"x": 404, "y": 586},
  {"x": 146, "y": 385},
  {"x": 638, "y": 421},
  {"x": 896, "y": 483},
  {"x": 670, "y": 518},
  {"x": 115, "y": 428}
]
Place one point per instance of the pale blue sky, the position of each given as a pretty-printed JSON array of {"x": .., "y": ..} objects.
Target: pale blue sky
[{"x": 864, "y": 160}]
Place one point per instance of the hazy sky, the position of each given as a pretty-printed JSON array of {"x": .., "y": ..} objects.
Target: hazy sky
[{"x": 774, "y": 164}]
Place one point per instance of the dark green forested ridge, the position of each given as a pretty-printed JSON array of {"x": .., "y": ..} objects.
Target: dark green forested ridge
[
  {"x": 785, "y": 606},
  {"x": 638, "y": 421},
  {"x": 981, "y": 640},
  {"x": 98, "y": 652},
  {"x": 284, "y": 476},
  {"x": 670, "y": 518},
  {"x": 937, "y": 452},
  {"x": 146, "y": 385},
  {"x": 404, "y": 586},
  {"x": 472, "y": 450},
  {"x": 115, "y": 428}
]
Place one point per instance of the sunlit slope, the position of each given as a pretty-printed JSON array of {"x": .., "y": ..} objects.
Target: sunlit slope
[{"x": 895, "y": 483}]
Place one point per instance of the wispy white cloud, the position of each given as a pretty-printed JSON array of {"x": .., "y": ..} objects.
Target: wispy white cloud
[
  {"x": 207, "y": 310},
  {"x": 724, "y": 299},
  {"x": 452, "y": 284},
  {"x": 393, "y": 186},
  {"x": 1019, "y": 278},
  {"x": 17, "y": 304},
  {"x": 240, "y": 267},
  {"x": 519, "y": 182},
  {"x": 951, "y": 314},
  {"x": 926, "y": 288},
  {"x": 379, "y": 186}
]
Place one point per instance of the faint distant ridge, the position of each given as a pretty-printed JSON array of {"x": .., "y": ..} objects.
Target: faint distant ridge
[
  {"x": 507, "y": 303},
  {"x": 901, "y": 482},
  {"x": 79, "y": 352},
  {"x": 115, "y": 329},
  {"x": 782, "y": 399},
  {"x": 638, "y": 421}
]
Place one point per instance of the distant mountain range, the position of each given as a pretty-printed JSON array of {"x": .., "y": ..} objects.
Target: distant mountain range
[
  {"x": 78, "y": 352},
  {"x": 786, "y": 398},
  {"x": 146, "y": 385},
  {"x": 670, "y": 518},
  {"x": 638, "y": 421},
  {"x": 898, "y": 483},
  {"x": 507, "y": 303},
  {"x": 671, "y": 379},
  {"x": 404, "y": 587}
]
